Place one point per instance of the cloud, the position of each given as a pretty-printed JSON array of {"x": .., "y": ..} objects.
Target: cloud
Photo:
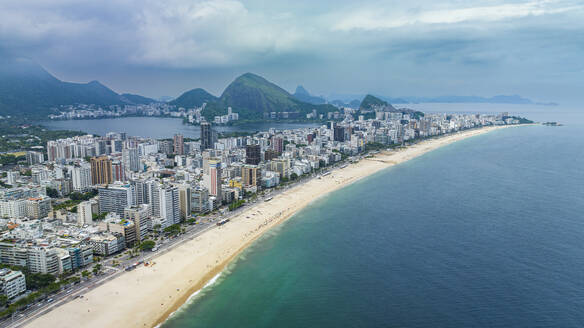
[
  {"x": 174, "y": 33},
  {"x": 164, "y": 47},
  {"x": 380, "y": 18}
]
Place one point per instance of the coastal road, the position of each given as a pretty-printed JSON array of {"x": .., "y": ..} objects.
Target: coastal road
[{"x": 77, "y": 291}]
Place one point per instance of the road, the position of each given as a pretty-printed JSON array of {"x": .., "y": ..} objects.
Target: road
[{"x": 111, "y": 271}]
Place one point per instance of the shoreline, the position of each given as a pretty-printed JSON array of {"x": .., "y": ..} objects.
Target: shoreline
[{"x": 148, "y": 296}]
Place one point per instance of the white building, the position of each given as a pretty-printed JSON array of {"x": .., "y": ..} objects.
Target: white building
[
  {"x": 81, "y": 176},
  {"x": 84, "y": 214},
  {"x": 12, "y": 283}
]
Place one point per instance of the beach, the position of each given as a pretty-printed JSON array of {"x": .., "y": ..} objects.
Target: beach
[{"x": 146, "y": 296}]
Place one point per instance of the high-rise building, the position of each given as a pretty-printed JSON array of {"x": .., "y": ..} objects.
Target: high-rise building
[
  {"x": 214, "y": 179},
  {"x": 115, "y": 198},
  {"x": 131, "y": 159},
  {"x": 34, "y": 157},
  {"x": 339, "y": 133},
  {"x": 253, "y": 154},
  {"x": 140, "y": 215},
  {"x": 81, "y": 176},
  {"x": 184, "y": 200},
  {"x": 179, "y": 144},
  {"x": 84, "y": 213},
  {"x": 118, "y": 173},
  {"x": 39, "y": 207},
  {"x": 165, "y": 203},
  {"x": 207, "y": 136},
  {"x": 101, "y": 170},
  {"x": 165, "y": 147},
  {"x": 141, "y": 193},
  {"x": 250, "y": 175},
  {"x": 278, "y": 144},
  {"x": 12, "y": 176}
]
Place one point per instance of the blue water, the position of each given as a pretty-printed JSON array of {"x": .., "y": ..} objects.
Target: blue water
[
  {"x": 158, "y": 127},
  {"x": 485, "y": 232}
]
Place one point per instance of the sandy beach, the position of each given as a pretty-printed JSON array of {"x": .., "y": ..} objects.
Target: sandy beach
[{"x": 146, "y": 296}]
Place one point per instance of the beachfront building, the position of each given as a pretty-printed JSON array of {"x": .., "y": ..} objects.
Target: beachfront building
[
  {"x": 115, "y": 198},
  {"x": 105, "y": 244},
  {"x": 140, "y": 215},
  {"x": 12, "y": 283}
]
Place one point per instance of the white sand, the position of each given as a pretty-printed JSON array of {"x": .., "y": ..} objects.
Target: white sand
[{"x": 146, "y": 296}]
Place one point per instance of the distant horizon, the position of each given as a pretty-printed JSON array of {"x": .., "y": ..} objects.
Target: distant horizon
[
  {"x": 333, "y": 96},
  {"x": 424, "y": 48}
]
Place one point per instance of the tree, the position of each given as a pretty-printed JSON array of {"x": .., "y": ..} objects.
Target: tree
[
  {"x": 36, "y": 281},
  {"x": 96, "y": 269},
  {"x": 85, "y": 274},
  {"x": 53, "y": 193},
  {"x": 293, "y": 176},
  {"x": 147, "y": 245},
  {"x": 3, "y": 300}
]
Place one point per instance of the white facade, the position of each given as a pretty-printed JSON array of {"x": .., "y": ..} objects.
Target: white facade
[
  {"x": 84, "y": 214},
  {"x": 12, "y": 283},
  {"x": 81, "y": 177}
]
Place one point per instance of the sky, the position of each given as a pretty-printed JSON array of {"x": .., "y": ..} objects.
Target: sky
[{"x": 533, "y": 48}]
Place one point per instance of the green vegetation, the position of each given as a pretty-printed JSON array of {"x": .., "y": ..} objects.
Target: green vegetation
[
  {"x": 52, "y": 192},
  {"x": 173, "y": 229},
  {"x": 83, "y": 196},
  {"x": 75, "y": 199},
  {"x": 522, "y": 120},
  {"x": 97, "y": 269},
  {"x": 370, "y": 101},
  {"x": 251, "y": 96},
  {"x": 147, "y": 245},
  {"x": 98, "y": 217},
  {"x": 237, "y": 204},
  {"x": 375, "y": 146},
  {"x": 42, "y": 292},
  {"x": 66, "y": 204},
  {"x": 11, "y": 159},
  {"x": 193, "y": 98},
  {"x": 28, "y": 90},
  {"x": 3, "y": 300},
  {"x": 17, "y": 134}
]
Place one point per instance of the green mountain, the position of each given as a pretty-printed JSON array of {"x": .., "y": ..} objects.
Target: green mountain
[
  {"x": 136, "y": 99},
  {"x": 303, "y": 95},
  {"x": 27, "y": 89},
  {"x": 254, "y": 98},
  {"x": 193, "y": 98},
  {"x": 369, "y": 102}
]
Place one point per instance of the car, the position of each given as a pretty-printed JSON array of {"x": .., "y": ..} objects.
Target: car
[{"x": 50, "y": 300}]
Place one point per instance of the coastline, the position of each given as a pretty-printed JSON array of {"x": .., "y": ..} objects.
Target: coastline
[{"x": 147, "y": 296}]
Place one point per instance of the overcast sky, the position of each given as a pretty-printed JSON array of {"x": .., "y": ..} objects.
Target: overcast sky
[{"x": 392, "y": 48}]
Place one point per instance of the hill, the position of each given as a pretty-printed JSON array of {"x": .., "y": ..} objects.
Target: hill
[
  {"x": 303, "y": 95},
  {"x": 370, "y": 102},
  {"x": 255, "y": 98},
  {"x": 193, "y": 98},
  {"x": 136, "y": 99},
  {"x": 27, "y": 89}
]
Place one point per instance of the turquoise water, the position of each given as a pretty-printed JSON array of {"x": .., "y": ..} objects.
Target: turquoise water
[
  {"x": 158, "y": 127},
  {"x": 486, "y": 232}
]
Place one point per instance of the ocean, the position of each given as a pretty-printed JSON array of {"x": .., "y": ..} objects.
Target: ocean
[{"x": 485, "y": 232}]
